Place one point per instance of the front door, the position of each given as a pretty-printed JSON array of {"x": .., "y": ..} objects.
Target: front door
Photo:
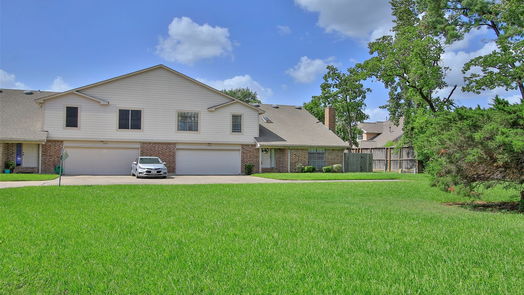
[{"x": 29, "y": 155}]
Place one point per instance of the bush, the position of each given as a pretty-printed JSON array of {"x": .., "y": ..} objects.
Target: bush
[
  {"x": 327, "y": 169},
  {"x": 299, "y": 168},
  {"x": 337, "y": 168},
  {"x": 309, "y": 169},
  {"x": 248, "y": 169},
  {"x": 10, "y": 165}
]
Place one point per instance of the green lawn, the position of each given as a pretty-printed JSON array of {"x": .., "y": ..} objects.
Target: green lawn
[
  {"x": 309, "y": 238},
  {"x": 27, "y": 177},
  {"x": 342, "y": 176}
]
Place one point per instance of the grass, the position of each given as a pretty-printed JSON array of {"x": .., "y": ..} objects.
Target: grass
[
  {"x": 309, "y": 238},
  {"x": 27, "y": 177},
  {"x": 342, "y": 176}
]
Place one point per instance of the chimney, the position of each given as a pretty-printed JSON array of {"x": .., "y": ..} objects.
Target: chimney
[{"x": 329, "y": 118}]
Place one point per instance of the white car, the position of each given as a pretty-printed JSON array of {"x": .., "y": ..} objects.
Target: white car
[{"x": 149, "y": 167}]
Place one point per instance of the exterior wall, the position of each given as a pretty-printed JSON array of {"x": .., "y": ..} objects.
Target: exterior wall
[
  {"x": 298, "y": 157},
  {"x": 160, "y": 94},
  {"x": 333, "y": 157},
  {"x": 10, "y": 152},
  {"x": 280, "y": 162},
  {"x": 51, "y": 155},
  {"x": 165, "y": 151},
  {"x": 368, "y": 136},
  {"x": 249, "y": 154},
  {"x": 3, "y": 155}
]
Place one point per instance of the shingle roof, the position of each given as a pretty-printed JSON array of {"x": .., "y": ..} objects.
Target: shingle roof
[
  {"x": 388, "y": 132},
  {"x": 294, "y": 127},
  {"x": 21, "y": 116}
]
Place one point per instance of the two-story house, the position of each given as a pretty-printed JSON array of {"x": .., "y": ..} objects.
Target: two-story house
[{"x": 157, "y": 111}]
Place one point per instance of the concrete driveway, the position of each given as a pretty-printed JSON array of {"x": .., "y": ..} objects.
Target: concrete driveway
[{"x": 180, "y": 179}]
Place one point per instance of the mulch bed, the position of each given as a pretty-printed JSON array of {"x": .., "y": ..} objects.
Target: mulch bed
[{"x": 510, "y": 207}]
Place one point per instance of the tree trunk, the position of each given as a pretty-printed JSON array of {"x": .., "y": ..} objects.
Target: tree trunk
[{"x": 521, "y": 207}]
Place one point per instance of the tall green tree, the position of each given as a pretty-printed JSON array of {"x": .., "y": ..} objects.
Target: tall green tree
[
  {"x": 346, "y": 94},
  {"x": 243, "y": 94},
  {"x": 408, "y": 64},
  {"x": 504, "y": 67}
]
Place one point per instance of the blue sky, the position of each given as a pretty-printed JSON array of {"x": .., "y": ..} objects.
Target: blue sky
[{"x": 278, "y": 48}]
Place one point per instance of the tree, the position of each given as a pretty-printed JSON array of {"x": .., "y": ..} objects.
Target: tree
[
  {"x": 346, "y": 94},
  {"x": 472, "y": 148},
  {"x": 244, "y": 94},
  {"x": 316, "y": 108},
  {"x": 504, "y": 67},
  {"x": 408, "y": 64}
]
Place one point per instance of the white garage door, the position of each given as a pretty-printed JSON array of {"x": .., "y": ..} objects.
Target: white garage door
[
  {"x": 207, "y": 161},
  {"x": 102, "y": 161}
]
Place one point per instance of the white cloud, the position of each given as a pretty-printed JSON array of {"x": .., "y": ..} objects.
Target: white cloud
[
  {"x": 455, "y": 61},
  {"x": 353, "y": 18},
  {"x": 468, "y": 38},
  {"x": 188, "y": 42},
  {"x": 241, "y": 81},
  {"x": 376, "y": 114},
  {"x": 59, "y": 85},
  {"x": 9, "y": 81},
  {"x": 307, "y": 70},
  {"x": 284, "y": 30}
]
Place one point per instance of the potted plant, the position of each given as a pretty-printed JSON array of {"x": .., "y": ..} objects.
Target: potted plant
[{"x": 9, "y": 167}]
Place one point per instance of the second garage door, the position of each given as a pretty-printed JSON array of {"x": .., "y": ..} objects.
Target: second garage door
[
  {"x": 201, "y": 161},
  {"x": 101, "y": 161}
]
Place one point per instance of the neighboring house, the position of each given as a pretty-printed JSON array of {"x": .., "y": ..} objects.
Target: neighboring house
[
  {"x": 157, "y": 111},
  {"x": 379, "y": 139},
  {"x": 379, "y": 134}
]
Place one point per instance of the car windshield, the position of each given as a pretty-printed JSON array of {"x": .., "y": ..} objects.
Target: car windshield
[{"x": 149, "y": 161}]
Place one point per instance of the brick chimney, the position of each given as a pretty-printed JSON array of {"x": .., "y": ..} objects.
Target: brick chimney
[{"x": 329, "y": 118}]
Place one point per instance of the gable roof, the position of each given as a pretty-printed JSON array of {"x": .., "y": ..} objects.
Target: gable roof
[
  {"x": 20, "y": 117},
  {"x": 387, "y": 132},
  {"x": 159, "y": 66},
  {"x": 292, "y": 126}
]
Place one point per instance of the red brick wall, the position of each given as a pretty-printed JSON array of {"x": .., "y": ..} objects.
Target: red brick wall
[
  {"x": 249, "y": 154},
  {"x": 298, "y": 156},
  {"x": 51, "y": 155},
  {"x": 280, "y": 162},
  {"x": 165, "y": 151},
  {"x": 333, "y": 157},
  {"x": 9, "y": 153}
]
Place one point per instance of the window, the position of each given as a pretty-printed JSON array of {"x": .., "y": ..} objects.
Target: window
[
  {"x": 316, "y": 158},
  {"x": 236, "y": 123},
  {"x": 268, "y": 158},
  {"x": 130, "y": 119},
  {"x": 187, "y": 121},
  {"x": 71, "y": 117}
]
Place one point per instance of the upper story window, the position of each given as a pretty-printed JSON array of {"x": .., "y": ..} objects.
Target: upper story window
[
  {"x": 130, "y": 119},
  {"x": 236, "y": 123},
  {"x": 187, "y": 121},
  {"x": 71, "y": 117}
]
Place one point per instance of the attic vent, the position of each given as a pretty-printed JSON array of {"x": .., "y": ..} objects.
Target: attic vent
[
  {"x": 298, "y": 107},
  {"x": 28, "y": 92},
  {"x": 275, "y": 106},
  {"x": 266, "y": 119}
]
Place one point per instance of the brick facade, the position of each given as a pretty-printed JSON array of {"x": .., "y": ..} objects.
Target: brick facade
[
  {"x": 281, "y": 162},
  {"x": 333, "y": 157},
  {"x": 298, "y": 157},
  {"x": 51, "y": 155},
  {"x": 165, "y": 151},
  {"x": 249, "y": 154},
  {"x": 3, "y": 156}
]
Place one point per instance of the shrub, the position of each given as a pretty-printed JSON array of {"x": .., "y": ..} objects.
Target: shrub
[
  {"x": 299, "y": 168},
  {"x": 248, "y": 169},
  {"x": 309, "y": 169},
  {"x": 327, "y": 169},
  {"x": 10, "y": 165},
  {"x": 337, "y": 168}
]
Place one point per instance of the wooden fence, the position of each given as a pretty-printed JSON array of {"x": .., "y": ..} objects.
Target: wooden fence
[
  {"x": 390, "y": 159},
  {"x": 354, "y": 162}
]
